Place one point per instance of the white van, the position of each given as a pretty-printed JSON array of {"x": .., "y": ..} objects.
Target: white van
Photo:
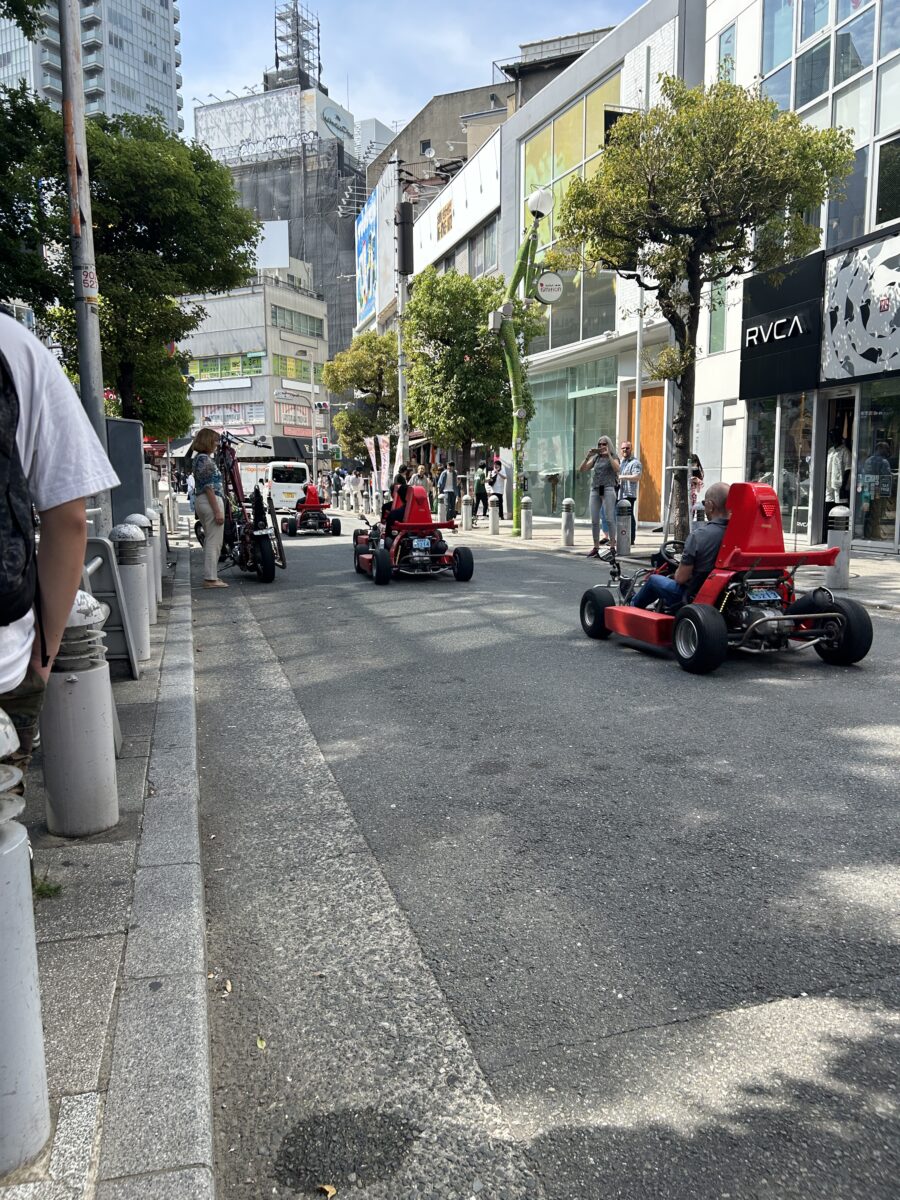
[{"x": 284, "y": 481}]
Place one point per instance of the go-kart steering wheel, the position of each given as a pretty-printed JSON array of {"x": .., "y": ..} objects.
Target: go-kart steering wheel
[{"x": 671, "y": 551}]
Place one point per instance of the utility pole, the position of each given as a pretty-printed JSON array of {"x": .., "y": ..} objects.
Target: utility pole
[
  {"x": 404, "y": 223},
  {"x": 81, "y": 234}
]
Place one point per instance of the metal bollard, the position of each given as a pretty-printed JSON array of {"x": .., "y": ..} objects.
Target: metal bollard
[
  {"x": 623, "y": 528},
  {"x": 494, "y": 514},
  {"x": 442, "y": 507},
  {"x": 467, "y": 505},
  {"x": 839, "y": 535},
  {"x": 154, "y": 512},
  {"x": 24, "y": 1103},
  {"x": 376, "y": 504},
  {"x": 77, "y": 728},
  {"x": 527, "y": 505},
  {"x": 567, "y": 523},
  {"x": 146, "y": 526},
  {"x": 132, "y": 559}
]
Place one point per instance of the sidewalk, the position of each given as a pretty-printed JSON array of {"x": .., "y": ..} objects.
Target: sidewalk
[{"x": 121, "y": 951}]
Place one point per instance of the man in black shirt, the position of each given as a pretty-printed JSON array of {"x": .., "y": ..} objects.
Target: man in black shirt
[{"x": 699, "y": 557}]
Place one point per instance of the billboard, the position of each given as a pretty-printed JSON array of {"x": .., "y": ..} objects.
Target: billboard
[
  {"x": 366, "y": 260},
  {"x": 386, "y": 193},
  {"x": 280, "y": 121},
  {"x": 861, "y": 334}
]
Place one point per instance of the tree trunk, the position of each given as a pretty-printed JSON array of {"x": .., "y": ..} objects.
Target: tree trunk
[
  {"x": 125, "y": 387},
  {"x": 683, "y": 421}
]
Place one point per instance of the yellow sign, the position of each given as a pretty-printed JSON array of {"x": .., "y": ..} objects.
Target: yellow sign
[{"x": 445, "y": 219}]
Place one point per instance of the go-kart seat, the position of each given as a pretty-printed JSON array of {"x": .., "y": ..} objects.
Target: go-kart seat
[
  {"x": 754, "y": 527},
  {"x": 312, "y": 502},
  {"x": 418, "y": 510}
]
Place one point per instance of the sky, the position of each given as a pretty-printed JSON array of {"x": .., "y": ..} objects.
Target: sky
[{"x": 391, "y": 55}]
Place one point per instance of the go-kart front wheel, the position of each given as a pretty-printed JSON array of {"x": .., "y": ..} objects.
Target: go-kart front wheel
[
  {"x": 356, "y": 567},
  {"x": 336, "y": 526},
  {"x": 594, "y": 603},
  {"x": 463, "y": 564},
  {"x": 700, "y": 638},
  {"x": 855, "y": 639},
  {"x": 381, "y": 566}
]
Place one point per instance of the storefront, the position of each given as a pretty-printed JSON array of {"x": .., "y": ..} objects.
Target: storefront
[{"x": 820, "y": 376}]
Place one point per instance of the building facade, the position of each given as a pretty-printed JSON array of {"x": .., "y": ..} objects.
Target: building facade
[{"x": 130, "y": 59}]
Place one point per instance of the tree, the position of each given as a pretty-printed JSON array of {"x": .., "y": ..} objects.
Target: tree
[
  {"x": 24, "y": 223},
  {"x": 24, "y": 13},
  {"x": 710, "y": 183},
  {"x": 459, "y": 389},
  {"x": 167, "y": 223},
  {"x": 367, "y": 367}
]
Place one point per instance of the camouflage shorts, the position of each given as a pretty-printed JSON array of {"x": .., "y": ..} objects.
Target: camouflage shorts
[{"x": 23, "y": 707}]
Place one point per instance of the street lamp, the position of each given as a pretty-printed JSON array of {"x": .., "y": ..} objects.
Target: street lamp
[{"x": 540, "y": 205}]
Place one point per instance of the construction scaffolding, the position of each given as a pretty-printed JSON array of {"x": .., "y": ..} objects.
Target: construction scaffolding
[{"x": 298, "y": 56}]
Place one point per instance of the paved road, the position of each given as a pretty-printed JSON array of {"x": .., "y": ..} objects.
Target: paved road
[{"x": 521, "y": 914}]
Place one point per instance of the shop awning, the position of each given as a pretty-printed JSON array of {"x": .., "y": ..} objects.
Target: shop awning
[{"x": 291, "y": 448}]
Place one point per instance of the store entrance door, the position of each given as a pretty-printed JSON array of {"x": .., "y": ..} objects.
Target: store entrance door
[
  {"x": 653, "y": 405},
  {"x": 838, "y": 453},
  {"x": 875, "y": 515}
]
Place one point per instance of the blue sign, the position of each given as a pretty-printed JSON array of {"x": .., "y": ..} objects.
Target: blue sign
[{"x": 366, "y": 261}]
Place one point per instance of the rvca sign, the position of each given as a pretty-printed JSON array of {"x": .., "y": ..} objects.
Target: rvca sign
[{"x": 775, "y": 331}]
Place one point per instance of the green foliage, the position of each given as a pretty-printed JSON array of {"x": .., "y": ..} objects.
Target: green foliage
[
  {"x": 24, "y": 13},
  {"x": 459, "y": 389},
  {"x": 24, "y": 223},
  {"x": 367, "y": 367}
]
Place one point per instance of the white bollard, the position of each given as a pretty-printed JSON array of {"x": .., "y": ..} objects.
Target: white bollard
[
  {"x": 526, "y": 517},
  {"x": 494, "y": 514},
  {"x": 146, "y": 526},
  {"x": 623, "y": 528},
  {"x": 467, "y": 503},
  {"x": 839, "y": 535},
  {"x": 442, "y": 507},
  {"x": 131, "y": 553},
  {"x": 155, "y": 514},
  {"x": 567, "y": 523},
  {"x": 24, "y": 1103}
]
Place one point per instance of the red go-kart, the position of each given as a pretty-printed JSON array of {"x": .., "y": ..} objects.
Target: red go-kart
[
  {"x": 417, "y": 546},
  {"x": 747, "y": 602},
  {"x": 312, "y": 516}
]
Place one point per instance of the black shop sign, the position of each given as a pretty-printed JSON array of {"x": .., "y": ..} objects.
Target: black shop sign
[{"x": 781, "y": 330}]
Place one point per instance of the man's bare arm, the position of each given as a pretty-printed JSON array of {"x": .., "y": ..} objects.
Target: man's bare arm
[{"x": 60, "y": 563}]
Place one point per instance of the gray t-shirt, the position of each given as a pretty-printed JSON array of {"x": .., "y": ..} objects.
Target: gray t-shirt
[
  {"x": 701, "y": 551},
  {"x": 603, "y": 474}
]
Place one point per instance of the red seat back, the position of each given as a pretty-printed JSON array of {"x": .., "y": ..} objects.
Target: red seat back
[
  {"x": 755, "y": 523},
  {"x": 312, "y": 494},
  {"x": 418, "y": 510}
]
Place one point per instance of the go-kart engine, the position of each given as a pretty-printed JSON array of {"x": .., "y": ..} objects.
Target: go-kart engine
[{"x": 769, "y": 631}]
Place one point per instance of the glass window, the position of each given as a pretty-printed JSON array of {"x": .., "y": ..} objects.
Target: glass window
[
  {"x": 854, "y": 45},
  {"x": 717, "y": 314},
  {"x": 476, "y": 255},
  {"x": 853, "y": 109},
  {"x": 609, "y": 92},
  {"x": 565, "y": 317},
  {"x": 890, "y": 27},
  {"x": 727, "y": 53},
  {"x": 847, "y": 218},
  {"x": 594, "y": 387},
  {"x": 794, "y": 453},
  {"x": 778, "y": 87},
  {"x": 846, "y": 8},
  {"x": 537, "y": 160},
  {"x": 813, "y": 17},
  {"x": 818, "y": 116},
  {"x": 889, "y": 96},
  {"x": 548, "y": 451},
  {"x": 875, "y": 510},
  {"x": 812, "y": 73},
  {"x": 761, "y": 440},
  {"x": 490, "y": 246},
  {"x": 778, "y": 32},
  {"x": 599, "y": 304},
  {"x": 559, "y": 191},
  {"x": 887, "y": 205},
  {"x": 568, "y": 139}
]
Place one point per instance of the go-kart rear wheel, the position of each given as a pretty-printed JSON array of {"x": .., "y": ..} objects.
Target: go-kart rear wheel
[
  {"x": 700, "y": 638},
  {"x": 356, "y": 567},
  {"x": 855, "y": 639},
  {"x": 594, "y": 603},
  {"x": 463, "y": 564},
  {"x": 381, "y": 566},
  {"x": 291, "y": 530},
  {"x": 336, "y": 526},
  {"x": 265, "y": 560}
]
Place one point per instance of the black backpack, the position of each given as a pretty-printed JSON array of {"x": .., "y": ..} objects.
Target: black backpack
[{"x": 18, "y": 559}]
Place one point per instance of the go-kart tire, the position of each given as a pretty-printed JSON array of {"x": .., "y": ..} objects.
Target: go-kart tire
[
  {"x": 336, "y": 526},
  {"x": 291, "y": 527},
  {"x": 856, "y": 639},
  {"x": 463, "y": 564},
  {"x": 594, "y": 603},
  {"x": 381, "y": 566},
  {"x": 356, "y": 567},
  {"x": 284, "y": 524},
  {"x": 700, "y": 638},
  {"x": 265, "y": 560}
]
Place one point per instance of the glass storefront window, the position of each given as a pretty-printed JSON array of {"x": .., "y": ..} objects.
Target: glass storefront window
[
  {"x": 813, "y": 17},
  {"x": 537, "y": 162},
  {"x": 568, "y": 139},
  {"x": 889, "y": 96},
  {"x": 548, "y": 451},
  {"x": 890, "y": 27},
  {"x": 778, "y": 32},
  {"x": 847, "y": 218},
  {"x": 853, "y": 109},
  {"x": 565, "y": 318},
  {"x": 875, "y": 507},
  {"x": 778, "y": 87},
  {"x": 817, "y": 116},
  {"x": 761, "y": 440},
  {"x": 887, "y": 207},
  {"x": 607, "y": 93},
  {"x": 854, "y": 46},
  {"x": 727, "y": 42},
  {"x": 599, "y": 303},
  {"x": 794, "y": 457},
  {"x": 559, "y": 193},
  {"x": 813, "y": 73}
]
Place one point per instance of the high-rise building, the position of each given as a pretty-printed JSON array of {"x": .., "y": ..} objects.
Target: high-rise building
[{"x": 130, "y": 58}]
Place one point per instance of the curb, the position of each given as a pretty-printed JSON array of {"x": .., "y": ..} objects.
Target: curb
[{"x": 157, "y": 1138}]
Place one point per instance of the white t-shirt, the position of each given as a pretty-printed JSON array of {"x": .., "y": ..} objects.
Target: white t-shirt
[
  {"x": 60, "y": 454},
  {"x": 498, "y": 487}
]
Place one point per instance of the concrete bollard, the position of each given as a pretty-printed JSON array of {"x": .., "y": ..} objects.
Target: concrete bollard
[
  {"x": 467, "y": 505},
  {"x": 839, "y": 535},
  {"x": 567, "y": 523},
  {"x": 24, "y": 1102},
  {"x": 146, "y": 526},
  {"x": 77, "y": 729},
  {"x": 442, "y": 507},
  {"x": 155, "y": 513},
  {"x": 131, "y": 555},
  {"x": 623, "y": 529},
  {"x": 527, "y": 505},
  {"x": 376, "y": 504},
  {"x": 494, "y": 514}
]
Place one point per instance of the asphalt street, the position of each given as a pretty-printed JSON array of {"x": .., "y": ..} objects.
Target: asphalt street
[{"x": 495, "y": 909}]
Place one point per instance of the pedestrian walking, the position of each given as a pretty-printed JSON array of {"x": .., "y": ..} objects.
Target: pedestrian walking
[
  {"x": 447, "y": 485},
  {"x": 604, "y": 468},
  {"x": 497, "y": 482},
  {"x": 696, "y": 485},
  {"x": 630, "y": 471},
  {"x": 190, "y": 488},
  {"x": 481, "y": 492},
  {"x": 50, "y": 458},
  {"x": 337, "y": 486},
  {"x": 209, "y": 504},
  {"x": 352, "y": 484},
  {"x": 423, "y": 479}
]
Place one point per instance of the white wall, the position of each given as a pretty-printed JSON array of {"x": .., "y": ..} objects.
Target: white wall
[{"x": 474, "y": 193}]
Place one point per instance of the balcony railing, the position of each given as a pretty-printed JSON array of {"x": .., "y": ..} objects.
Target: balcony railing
[
  {"x": 91, "y": 15},
  {"x": 51, "y": 83}
]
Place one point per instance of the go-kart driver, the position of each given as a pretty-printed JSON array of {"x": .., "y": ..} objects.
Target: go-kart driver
[
  {"x": 393, "y": 512},
  {"x": 699, "y": 557}
]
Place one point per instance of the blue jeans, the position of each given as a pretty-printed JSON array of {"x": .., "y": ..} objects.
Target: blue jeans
[
  {"x": 604, "y": 501},
  {"x": 659, "y": 587}
]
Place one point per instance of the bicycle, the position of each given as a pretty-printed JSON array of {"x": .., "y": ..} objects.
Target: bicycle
[{"x": 252, "y": 538}]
